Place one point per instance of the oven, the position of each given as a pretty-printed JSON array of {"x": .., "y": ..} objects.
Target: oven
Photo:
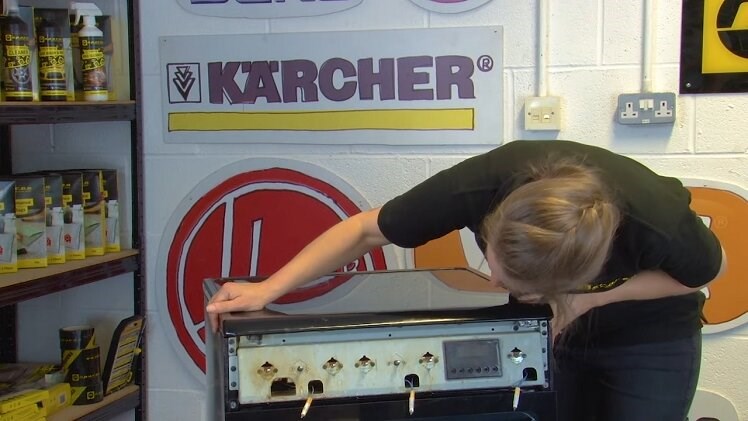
[{"x": 436, "y": 344}]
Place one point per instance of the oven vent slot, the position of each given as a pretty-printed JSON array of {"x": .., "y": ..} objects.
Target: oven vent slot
[
  {"x": 412, "y": 381},
  {"x": 282, "y": 386},
  {"x": 529, "y": 375},
  {"x": 315, "y": 387}
]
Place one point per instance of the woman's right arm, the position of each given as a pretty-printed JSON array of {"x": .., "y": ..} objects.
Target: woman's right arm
[{"x": 338, "y": 246}]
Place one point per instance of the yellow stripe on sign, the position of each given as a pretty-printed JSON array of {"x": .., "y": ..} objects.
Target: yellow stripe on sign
[{"x": 440, "y": 119}]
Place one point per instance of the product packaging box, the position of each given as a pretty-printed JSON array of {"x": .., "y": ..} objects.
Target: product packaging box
[
  {"x": 17, "y": 400},
  {"x": 55, "y": 218},
  {"x": 31, "y": 221},
  {"x": 54, "y": 215},
  {"x": 122, "y": 359},
  {"x": 94, "y": 218},
  {"x": 30, "y": 412},
  {"x": 105, "y": 25},
  {"x": 73, "y": 216},
  {"x": 110, "y": 193},
  {"x": 59, "y": 398},
  {"x": 57, "y": 18},
  {"x": 26, "y": 13},
  {"x": 8, "y": 250}
]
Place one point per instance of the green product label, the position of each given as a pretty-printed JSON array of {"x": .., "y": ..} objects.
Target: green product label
[{"x": 92, "y": 64}]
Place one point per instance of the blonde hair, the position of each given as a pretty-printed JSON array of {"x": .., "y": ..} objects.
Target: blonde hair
[{"x": 554, "y": 233}]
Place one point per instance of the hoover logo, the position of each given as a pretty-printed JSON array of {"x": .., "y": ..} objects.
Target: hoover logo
[
  {"x": 249, "y": 224},
  {"x": 182, "y": 86},
  {"x": 266, "y": 9},
  {"x": 450, "y": 6}
]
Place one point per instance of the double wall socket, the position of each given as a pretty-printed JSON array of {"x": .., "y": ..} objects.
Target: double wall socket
[
  {"x": 543, "y": 113},
  {"x": 646, "y": 108}
]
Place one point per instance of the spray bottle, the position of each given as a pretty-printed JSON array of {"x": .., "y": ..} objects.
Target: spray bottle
[
  {"x": 16, "y": 69},
  {"x": 91, "y": 47}
]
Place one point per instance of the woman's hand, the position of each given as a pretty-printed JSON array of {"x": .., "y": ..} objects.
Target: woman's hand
[
  {"x": 341, "y": 244},
  {"x": 235, "y": 296}
]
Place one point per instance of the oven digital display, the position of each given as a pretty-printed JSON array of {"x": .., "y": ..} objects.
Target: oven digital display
[{"x": 472, "y": 358}]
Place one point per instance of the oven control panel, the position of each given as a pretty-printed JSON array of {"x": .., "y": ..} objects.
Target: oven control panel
[{"x": 383, "y": 361}]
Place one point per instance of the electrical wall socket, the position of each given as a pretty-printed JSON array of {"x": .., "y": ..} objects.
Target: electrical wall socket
[
  {"x": 646, "y": 108},
  {"x": 543, "y": 113}
]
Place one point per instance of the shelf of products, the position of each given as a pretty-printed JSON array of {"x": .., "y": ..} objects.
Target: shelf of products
[
  {"x": 26, "y": 284},
  {"x": 65, "y": 112},
  {"x": 32, "y": 283},
  {"x": 116, "y": 403}
]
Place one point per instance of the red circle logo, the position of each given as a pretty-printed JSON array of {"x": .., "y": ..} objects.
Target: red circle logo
[{"x": 250, "y": 225}]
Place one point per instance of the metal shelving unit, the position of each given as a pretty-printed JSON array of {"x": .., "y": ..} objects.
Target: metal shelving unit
[{"x": 32, "y": 283}]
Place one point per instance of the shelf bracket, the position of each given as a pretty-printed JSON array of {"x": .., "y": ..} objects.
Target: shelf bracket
[
  {"x": 6, "y": 167},
  {"x": 9, "y": 350}
]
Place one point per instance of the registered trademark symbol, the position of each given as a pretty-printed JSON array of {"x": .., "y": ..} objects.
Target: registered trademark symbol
[{"x": 484, "y": 63}]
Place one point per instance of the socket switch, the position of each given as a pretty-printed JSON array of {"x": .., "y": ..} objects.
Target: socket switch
[
  {"x": 543, "y": 113},
  {"x": 646, "y": 108}
]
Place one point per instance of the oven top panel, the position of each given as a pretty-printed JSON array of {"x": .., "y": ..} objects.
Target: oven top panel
[{"x": 380, "y": 299}]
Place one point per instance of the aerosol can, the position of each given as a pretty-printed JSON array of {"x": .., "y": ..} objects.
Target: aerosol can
[{"x": 91, "y": 47}]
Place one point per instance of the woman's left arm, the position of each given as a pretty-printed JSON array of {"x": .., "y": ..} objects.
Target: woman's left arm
[{"x": 646, "y": 285}]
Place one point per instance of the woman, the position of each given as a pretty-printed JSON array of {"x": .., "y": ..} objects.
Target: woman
[{"x": 612, "y": 246}]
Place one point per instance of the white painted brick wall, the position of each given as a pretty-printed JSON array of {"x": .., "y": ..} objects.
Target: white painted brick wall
[{"x": 595, "y": 54}]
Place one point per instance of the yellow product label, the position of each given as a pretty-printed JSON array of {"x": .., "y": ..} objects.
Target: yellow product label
[
  {"x": 21, "y": 210},
  {"x": 47, "y": 201},
  {"x": 113, "y": 248},
  {"x": 86, "y": 196},
  {"x": 59, "y": 397},
  {"x": 37, "y": 262},
  {"x": 19, "y": 94},
  {"x": 17, "y": 56},
  {"x": 8, "y": 267},
  {"x": 56, "y": 259},
  {"x": 25, "y": 202},
  {"x": 75, "y": 254},
  {"x": 2, "y": 206},
  {"x": 18, "y": 400},
  {"x": 67, "y": 198},
  {"x": 27, "y": 413}
]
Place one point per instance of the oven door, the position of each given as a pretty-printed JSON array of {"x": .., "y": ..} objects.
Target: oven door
[{"x": 465, "y": 406}]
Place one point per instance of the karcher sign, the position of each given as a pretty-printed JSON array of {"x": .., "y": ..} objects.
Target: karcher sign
[{"x": 435, "y": 86}]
